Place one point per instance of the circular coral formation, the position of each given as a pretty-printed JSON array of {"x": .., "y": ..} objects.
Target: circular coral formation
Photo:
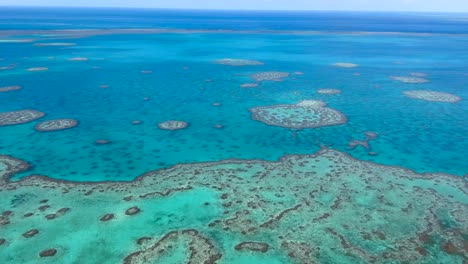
[
  {"x": 238, "y": 62},
  {"x": 48, "y": 253},
  {"x": 345, "y": 65},
  {"x": 56, "y": 125},
  {"x": 269, "y": 76},
  {"x": 305, "y": 114},
  {"x": 173, "y": 125},
  {"x": 432, "y": 96},
  {"x": 38, "y": 69},
  {"x": 9, "y": 88},
  {"x": 329, "y": 91},
  {"x": 406, "y": 79},
  {"x": 19, "y": 117}
]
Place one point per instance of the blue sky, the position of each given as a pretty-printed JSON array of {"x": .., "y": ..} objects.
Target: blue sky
[{"x": 367, "y": 5}]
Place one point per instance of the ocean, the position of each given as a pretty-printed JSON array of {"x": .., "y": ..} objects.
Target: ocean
[{"x": 300, "y": 137}]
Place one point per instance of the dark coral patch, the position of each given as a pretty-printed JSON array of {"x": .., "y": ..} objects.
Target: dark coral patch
[
  {"x": 143, "y": 240},
  {"x": 48, "y": 253},
  {"x": 63, "y": 210},
  {"x": 106, "y": 217},
  {"x": 253, "y": 246},
  {"x": 51, "y": 216},
  {"x": 44, "y": 207},
  {"x": 31, "y": 233},
  {"x": 132, "y": 210}
]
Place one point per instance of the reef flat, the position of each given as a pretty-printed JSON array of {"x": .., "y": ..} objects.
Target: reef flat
[
  {"x": 432, "y": 96},
  {"x": 305, "y": 114},
  {"x": 322, "y": 208}
]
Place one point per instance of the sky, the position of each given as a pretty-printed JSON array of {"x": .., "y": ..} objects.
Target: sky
[{"x": 351, "y": 5}]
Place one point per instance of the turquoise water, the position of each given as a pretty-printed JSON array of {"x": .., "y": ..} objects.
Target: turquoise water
[
  {"x": 424, "y": 136},
  {"x": 108, "y": 91}
]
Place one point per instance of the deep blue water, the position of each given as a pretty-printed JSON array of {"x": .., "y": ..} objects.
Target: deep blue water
[
  {"x": 420, "y": 135},
  {"x": 79, "y": 18}
]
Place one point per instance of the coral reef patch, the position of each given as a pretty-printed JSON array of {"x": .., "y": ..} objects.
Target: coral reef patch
[
  {"x": 305, "y": 114},
  {"x": 322, "y": 208},
  {"x": 19, "y": 117},
  {"x": 432, "y": 96},
  {"x": 56, "y": 125}
]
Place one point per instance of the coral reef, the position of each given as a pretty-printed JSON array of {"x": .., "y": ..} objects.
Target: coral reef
[
  {"x": 345, "y": 65},
  {"x": 305, "y": 114},
  {"x": 38, "y": 69},
  {"x": 78, "y": 59},
  {"x": 329, "y": 91},
  {"x": 405, "y": 79},
  {"x": 325, "y": 207},
  {"x": 173, "y": 125},
  {"x": 238, "y": 62},
  {"x": 9, "y": 88},
  {"x": 56, "y": 125},
  {"x": 249, "y": 85},
  {"x": 199, "y": 249},
  {"x": 19, "y": 117},
  {"x": 269, "y": 76},
  {"x": 322, "y": 208},
  {"x": 432, "y": 96},
  {"x": 54, "y": 44}
]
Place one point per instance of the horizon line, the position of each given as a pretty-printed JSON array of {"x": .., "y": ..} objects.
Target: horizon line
[{"x": 238, "y": 10}]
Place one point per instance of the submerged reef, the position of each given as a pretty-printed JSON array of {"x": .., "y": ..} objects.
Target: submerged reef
[
  {"x": 55, "y": 125},
  {"x": 19, "y": 117},
  {"x": 54, "y": 44},
  {"x": 173, "y": 125},
  {"x": 329, "y": 91},
  {"x": 9, "y": 88},
  {"x": 345, "y": 65},
  {"x": 269, "y": 76},
  {"x": 322, "y": 208},
  {"x": 364, "y": 143},
  {"x": 249, "y": 85},
  {"x": 405, "y": 79},
  {"x": 38, "y": 69},
  {"x": 305, "y": 114},
  {"x": 78, "y": 59},
  {"x": 239, "y": 62},
  {"x": 432, "y": 96}
]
